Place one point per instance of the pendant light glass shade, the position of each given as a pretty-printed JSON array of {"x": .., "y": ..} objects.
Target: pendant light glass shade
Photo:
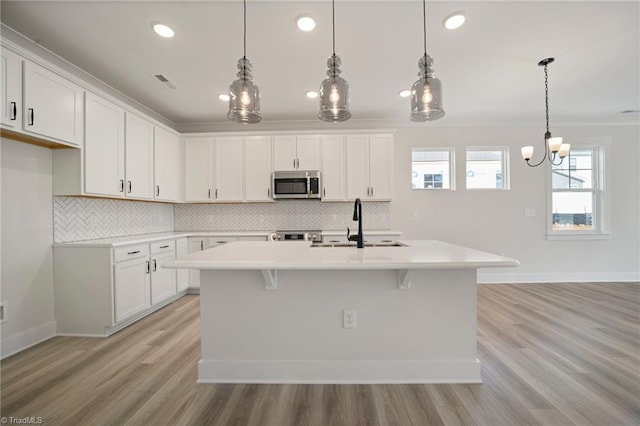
[
  {"x": 426, "y": 93},
  {"x": 244, "y": 96},
  {"x": 334, "y": 93}
]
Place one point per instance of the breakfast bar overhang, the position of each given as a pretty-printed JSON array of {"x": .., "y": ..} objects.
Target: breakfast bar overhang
[{"x": 302, "y": 313}]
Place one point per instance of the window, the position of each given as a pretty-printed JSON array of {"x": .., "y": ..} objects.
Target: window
[
  {"x": 431, "y": 168},
  {"x": 487, "y": 168},
  {"x": 577, "y": 193}
]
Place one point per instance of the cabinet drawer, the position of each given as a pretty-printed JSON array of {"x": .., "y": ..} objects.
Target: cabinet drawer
[
  {"x": 162, "y": 246},
  {"x": 130, "y": 252},
  {"x": 218, "y": 241}
]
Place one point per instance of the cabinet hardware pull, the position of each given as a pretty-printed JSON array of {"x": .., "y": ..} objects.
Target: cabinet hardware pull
[
  {"x": 129, "y": 183},
  {"x": 31, "y": 117},
  {"x": 268, "y": 192},
  {"x": 121, "y": 185},
  {"x": 14, "y": 111},
  {"x": 294, "y": 163},
  {"x": 164, "y": 246},
  {"x": 297, "y": 163},
  {"x": 155, "y": 265},
  {"x": 222, "y": 242},
  {"x": 216, "y": 193},
  {"x": 201, "y": 244},
  {"x": 372, "y": 191},
  {"x": 324, "y": 192},
  {"x": 134, "y": 252},
  {"x": 209, "y": 193},
  {"x": 157, "y": 190},
  {"x": 148, "y": 267}
]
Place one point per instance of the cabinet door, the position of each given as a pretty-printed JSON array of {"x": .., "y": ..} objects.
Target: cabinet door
[
  {"x": 257, "y": 168},
  {"x": 380, "y": 166},
  {"x": 138, "y": 157},
  {"x": 199, "y": 158},
  {"x": 11, "y": 89},
  {"x": 166, "y": 155},
  {"x": 333, "y": 171},
  {"x": 163, "y": 280},
  {"x": 103, "y": 147},
  {"x": 52, "y": 105},
  {"x": 308, "y": 153},
  {"x": 284, "y": 153},
  {"x": 132, "y": 288},
  {"x": 357, "y": 166},
  {"x": 182, "y": 275},
  {"x": 229, "y": 169}
]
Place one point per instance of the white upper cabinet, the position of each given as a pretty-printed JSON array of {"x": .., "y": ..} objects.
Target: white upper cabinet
[
  {"x": 166, "y": 164},
  {"x": 257, "y": 168},
  {"x": 138, "y": 157},
  {"x": 52, "y": 105},
  {"x": 103, "y": 147},
  {"x": 369, "y": 167},
  {"x": 333, "y": 168},
  {"x": 296, "y": 153},
  {"x": 11, "y": 89},
  {"x": 199, "y": 162},
  {"x": 229, "y": 169}
]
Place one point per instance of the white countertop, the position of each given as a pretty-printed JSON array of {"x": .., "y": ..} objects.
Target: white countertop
[{"x": 418, "y": 254}]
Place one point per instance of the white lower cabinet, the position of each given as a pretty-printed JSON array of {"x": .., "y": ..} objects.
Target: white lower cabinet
[
  {"x": 99, "y": 290},
  {"x": 182, "y": 275},
  {"x": 131, "y": 283}
]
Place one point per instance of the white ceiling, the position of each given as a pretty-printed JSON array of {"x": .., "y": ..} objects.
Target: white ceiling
[{"x": 488, "y": 67}]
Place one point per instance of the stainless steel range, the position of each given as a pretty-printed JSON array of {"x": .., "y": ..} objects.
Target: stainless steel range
[{"x": 315, "y": 236}]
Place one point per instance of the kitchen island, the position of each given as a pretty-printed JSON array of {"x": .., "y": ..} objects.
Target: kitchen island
[{"x": 297, "y": 313}]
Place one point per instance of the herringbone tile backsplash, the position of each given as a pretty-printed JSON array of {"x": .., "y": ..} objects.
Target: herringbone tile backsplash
[{"x": 77, "y": 219}]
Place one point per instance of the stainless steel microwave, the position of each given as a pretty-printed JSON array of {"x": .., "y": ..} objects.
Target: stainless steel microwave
[{"x": 295, "y": 184}]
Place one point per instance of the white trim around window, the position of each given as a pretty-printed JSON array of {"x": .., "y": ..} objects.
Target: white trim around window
[
  {"x": 496, "y": 179},
  {"x": 596, "y": 220}
]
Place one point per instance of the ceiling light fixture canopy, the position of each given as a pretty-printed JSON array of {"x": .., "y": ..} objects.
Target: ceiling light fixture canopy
[
  {"x": 334, "y": 90},
  {"x": 426, "y": 93},
  {"x": 244, "y": 95},
  {"x": 554, "y": 149}
]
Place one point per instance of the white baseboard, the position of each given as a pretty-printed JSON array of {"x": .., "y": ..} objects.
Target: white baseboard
[
  {"x": 556, "y": 277},
  {"x": 339, "y": 372},
  {"x": 33, "y": 336}
]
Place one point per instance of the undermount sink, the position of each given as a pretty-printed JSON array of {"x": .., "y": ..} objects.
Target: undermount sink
[{"x": 353, "y": 244}]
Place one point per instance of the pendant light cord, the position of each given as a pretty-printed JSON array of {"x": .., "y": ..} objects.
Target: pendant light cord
[
  {"x": 333, "y": 24},
  {"x": 424, "y": 16},
  {"x": 244, "y": 47}
]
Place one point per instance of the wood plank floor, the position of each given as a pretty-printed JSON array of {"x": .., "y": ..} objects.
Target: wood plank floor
[{"x": 552, "y": 354}]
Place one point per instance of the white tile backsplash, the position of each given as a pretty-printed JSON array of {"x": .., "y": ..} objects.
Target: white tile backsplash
[
  {"x": 280, "y": 215},
  {"x": 77, "y": 218}
]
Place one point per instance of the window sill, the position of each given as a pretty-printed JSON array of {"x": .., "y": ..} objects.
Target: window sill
[{"x": 578, "y": 236}]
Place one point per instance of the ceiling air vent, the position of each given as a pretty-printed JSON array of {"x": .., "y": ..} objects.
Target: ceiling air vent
[{"x": 165, "y": 81}]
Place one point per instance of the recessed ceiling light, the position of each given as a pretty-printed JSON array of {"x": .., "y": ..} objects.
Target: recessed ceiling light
[
  {"x": 306, "y": 23},
  {"x": 163, "y": 30},
  {"x": 454, "y": 20},
  {"x": 311, "y": 94},
  {"x": 224, "y": 97},
  {"x": 404, "y": 93}
]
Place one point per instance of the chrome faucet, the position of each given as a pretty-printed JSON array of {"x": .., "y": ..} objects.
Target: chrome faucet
[{"x": 357, "y": 215}]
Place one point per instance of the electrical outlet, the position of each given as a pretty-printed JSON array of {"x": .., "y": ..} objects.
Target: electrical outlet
[
  {"x": 529, "y": 212},
  {"x": 3, "y": 312},
  {"x": 349, "y": 318}
]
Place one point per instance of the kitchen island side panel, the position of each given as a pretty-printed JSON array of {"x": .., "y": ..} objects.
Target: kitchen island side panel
[{"x": 295, "y": 333}]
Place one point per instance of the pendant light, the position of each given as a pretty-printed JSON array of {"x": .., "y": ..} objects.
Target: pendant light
[
  {"x": 426, "y": 93},
  {"x": 553, "y": 147},
  {"x": 334, "y": 90},
  {"x": 244, "y": 95}
]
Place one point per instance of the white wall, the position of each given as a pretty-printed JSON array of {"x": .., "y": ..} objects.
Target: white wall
[
  {"x": 494, "y": 220},
  {"x": 27, "y": 236}
]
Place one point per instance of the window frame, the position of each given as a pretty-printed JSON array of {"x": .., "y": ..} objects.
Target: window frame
[
  {"x": 452, "y": 166},
  {"x": 601, "y": 210},
  {"x": 506, "y": 172}
]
